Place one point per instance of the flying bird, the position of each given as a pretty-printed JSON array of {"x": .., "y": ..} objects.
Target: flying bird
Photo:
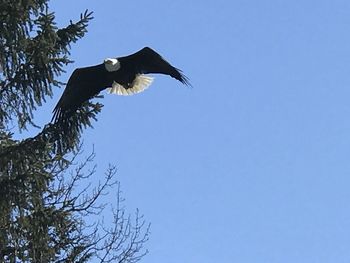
[{"x": 121, "y": 76}]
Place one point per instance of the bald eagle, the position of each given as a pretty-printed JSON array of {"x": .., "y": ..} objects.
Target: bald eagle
[{"x": 121, "y": 76}]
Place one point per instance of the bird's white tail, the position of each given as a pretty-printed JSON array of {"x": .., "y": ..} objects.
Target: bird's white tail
[{"x": 140, "y": 83}]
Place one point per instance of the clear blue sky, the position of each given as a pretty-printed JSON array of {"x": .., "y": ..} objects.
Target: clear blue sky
[{"x": 253, "y": 163}]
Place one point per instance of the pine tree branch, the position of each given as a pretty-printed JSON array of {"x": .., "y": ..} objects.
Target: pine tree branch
[{"x": 31, "y": 63}]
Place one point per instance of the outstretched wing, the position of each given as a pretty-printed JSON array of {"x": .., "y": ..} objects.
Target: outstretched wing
[
  {"x": 83, "y": 84},
  {"x": 148, "y": 61}
]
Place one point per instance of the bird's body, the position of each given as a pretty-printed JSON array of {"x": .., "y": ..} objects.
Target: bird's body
[{"x": 121, "y": 76}]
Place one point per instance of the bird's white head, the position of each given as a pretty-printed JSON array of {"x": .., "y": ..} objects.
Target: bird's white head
[{"x": 111, "y": 64}]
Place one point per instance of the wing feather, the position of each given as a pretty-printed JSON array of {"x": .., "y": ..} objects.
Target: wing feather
[
  {"x": 147, "y": 61},
  {"x": 83, "y": 84}
]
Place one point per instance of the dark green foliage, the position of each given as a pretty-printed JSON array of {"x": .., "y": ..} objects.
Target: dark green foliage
[
  {"x": 42, "y": 214},
  {"x": 42, "y": 218},
  {"x": 32, "y": 54}
]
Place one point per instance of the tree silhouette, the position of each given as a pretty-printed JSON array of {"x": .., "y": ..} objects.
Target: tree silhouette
[{"x": 43, "y": 214}]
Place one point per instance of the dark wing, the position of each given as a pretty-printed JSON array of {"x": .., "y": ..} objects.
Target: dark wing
[
  {"x": 83, "y": 84},
  {"x": 148, "y": 61}
]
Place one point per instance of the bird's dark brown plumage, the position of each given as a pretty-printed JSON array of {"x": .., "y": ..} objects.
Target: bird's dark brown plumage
[{"x": 87, "y": 82}]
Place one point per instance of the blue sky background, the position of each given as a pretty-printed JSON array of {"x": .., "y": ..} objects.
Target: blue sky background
[{"x": 253, "y": 163}]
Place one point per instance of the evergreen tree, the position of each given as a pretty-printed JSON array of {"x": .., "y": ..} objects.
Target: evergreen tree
[{"x": 42, "y": 215}]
